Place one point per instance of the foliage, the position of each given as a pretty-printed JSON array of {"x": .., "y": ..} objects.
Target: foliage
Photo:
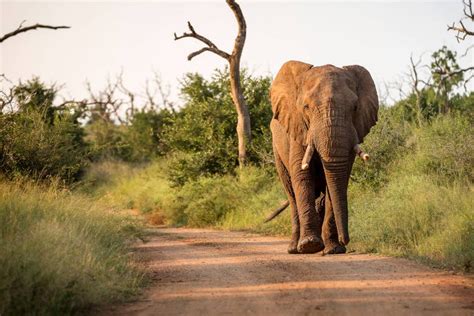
[
  {"x": 61, "y": 252},
  {"x": 239, "y": 201},
  {"x": 444, "y": 63},
  {"x": 40, "y": 140},
  {"x": 440, "y": 93},
  {"x": 140, "y": 140},
  {"x": 424, "y": 209},
  {"x": 446, "y": 149},
  {"x": 121, "y": 185},
  {"x": 386, "y": 142},
  {"x": 417, "y": 217},
  {"x": 446, "y": 76},
  {"x": 108, "y": 141},
  {"x": 144, "y": 134},
  {"x": 203, "y": 136}
]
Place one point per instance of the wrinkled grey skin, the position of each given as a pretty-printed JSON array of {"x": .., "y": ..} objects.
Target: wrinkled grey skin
[{"x": 333, "y": 109}]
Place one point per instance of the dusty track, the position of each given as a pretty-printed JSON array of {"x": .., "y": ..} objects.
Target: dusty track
[{"x": 204, "y": 272}]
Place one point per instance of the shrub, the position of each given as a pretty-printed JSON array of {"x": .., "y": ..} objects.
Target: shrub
[
  {"x": 385, "y": 143},
  {"x": 202, "y": 134},
  {"x": 33, "y": 148},
  {"x": 446, "y": 148},
  {"x": 39, "y": 140},
  {"x": 139, "y": 141},
  {"x": 144, "y": 134},
  {"x": 240, "y": 201},
  {"x": 108, "y": 141},
  {"x": 61, "y": 253}
]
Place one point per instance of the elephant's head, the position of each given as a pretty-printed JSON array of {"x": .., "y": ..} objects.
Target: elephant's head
[{"x": 329, "y": 109}]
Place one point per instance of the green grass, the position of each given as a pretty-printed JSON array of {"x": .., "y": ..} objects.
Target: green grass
[
  {"x": 124, "y": 186},
  {"x": 414, "y": 216},
  {"x": 238, "y": 202},
  {"x": 61, "y": 253}
]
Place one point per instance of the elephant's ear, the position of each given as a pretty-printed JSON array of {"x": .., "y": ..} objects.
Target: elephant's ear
[
  {"x": 368, "y": 104},
  {"x": 284, "y": 94}
]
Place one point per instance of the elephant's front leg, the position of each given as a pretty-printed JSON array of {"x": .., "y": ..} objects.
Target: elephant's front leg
[
  {"x": 303, "y": 184},
  {"x": 329, "y": 233}
]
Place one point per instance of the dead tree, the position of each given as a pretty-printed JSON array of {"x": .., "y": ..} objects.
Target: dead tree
[
  {"x": 22, "y": 29},
  {"x": 243, "y": 117},
  {"x": 415, "y": 81},
  {"x": 461, "y": 29}
]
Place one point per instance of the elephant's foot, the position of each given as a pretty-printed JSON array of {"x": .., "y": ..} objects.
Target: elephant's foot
[
  {"x": 293, "y": 247},
  {"x": 311, "y": 244},
  {"x": 334, "y": 248}
]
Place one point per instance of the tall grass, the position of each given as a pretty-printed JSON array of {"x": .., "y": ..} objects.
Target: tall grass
[
  {"x": 230, "y": 202},
  {"x": 425, "y": 209},
  {"x": 61, "y": 252},
  {"x": 413, "y": 216}
]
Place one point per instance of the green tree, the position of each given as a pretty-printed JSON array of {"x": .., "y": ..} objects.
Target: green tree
[
  {"x": 202, "y": 135},
  {"x": 144, "y": 133},
  {"x": 446, "y": 75}
]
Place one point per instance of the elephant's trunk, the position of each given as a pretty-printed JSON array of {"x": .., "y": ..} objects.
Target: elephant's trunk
[
  {"x": 335, "y": 147},
  {"x": 337, "y": 176}
]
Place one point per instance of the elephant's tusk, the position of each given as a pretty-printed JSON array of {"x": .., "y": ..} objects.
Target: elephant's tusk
[
  {"x": 364, "y": 156},
  {"x": 307, "y": 157}
]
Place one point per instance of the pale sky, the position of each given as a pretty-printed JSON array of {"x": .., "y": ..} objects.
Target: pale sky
[{"x": 109, "y": 36}]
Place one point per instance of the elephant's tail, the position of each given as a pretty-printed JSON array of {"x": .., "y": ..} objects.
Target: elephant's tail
[{"x": 277, "y": 211}]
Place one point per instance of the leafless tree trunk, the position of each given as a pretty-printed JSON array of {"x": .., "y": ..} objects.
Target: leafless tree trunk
[
  {"x": 415, "y": 82},
  {"x": 22, "y": 29},
  {"x": 243, "y": 117}
]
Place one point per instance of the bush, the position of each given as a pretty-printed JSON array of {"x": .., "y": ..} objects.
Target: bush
[
  {"x": 108, "y": 141},
  {"x": 61, "y": 253},
  {"x": 41, "y": 141},
  {"x": 33, "y": 148},
  {"x": 202, "y": 134},
  {"x": 424, "y": 210},
  {"x": 139, "y": 141},
  {"x": 144, "y": 134},
  {"x": 385, "y": 143},
  {"x": 446, "y": 148}
]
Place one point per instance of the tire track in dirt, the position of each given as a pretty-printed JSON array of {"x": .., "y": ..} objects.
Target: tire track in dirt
[{"x": 207, "y": 272}]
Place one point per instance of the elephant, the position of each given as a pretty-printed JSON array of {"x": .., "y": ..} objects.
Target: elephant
[{"x": 320, "y": 116}]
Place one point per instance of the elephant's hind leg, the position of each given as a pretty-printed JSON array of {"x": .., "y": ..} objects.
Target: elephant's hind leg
[{"x": 295, "y": 222}]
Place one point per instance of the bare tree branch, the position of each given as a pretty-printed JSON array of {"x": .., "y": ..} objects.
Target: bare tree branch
[
  {"x": 453, "y": 73},
  {"x": 22, "y": 29},
  {"x": 461, "y": 30},
  {"x": 467, "y": 51},
  {"x": 415, "y": 82},
  {"x": 211, "y": 46},
  {"x": 158, "y": 97}
]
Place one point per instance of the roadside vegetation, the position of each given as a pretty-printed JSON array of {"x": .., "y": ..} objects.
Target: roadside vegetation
[
  {"x": 62, "y": 252},
  {"x": 71, "y": 173}
]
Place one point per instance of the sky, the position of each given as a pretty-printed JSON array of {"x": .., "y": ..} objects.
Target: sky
[{"x": 108, "y": 37}]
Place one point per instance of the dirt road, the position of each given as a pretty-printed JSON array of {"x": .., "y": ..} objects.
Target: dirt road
[{"x": 204, "y": 272}]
